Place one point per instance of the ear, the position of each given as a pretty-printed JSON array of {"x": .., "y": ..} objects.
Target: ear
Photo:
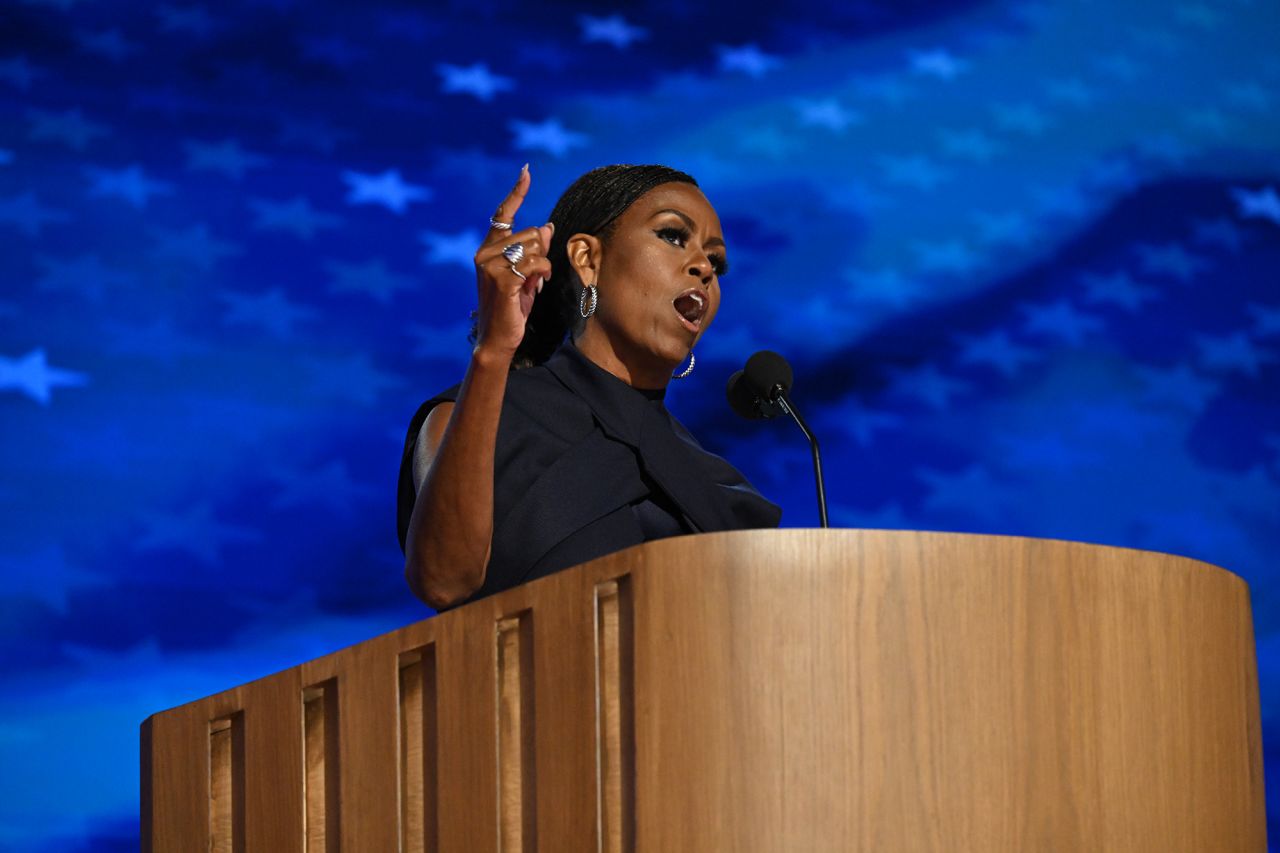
[{"x": 584, "y": 256}]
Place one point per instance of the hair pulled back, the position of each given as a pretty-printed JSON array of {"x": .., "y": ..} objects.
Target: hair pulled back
[{"x": 591, "y": 205}]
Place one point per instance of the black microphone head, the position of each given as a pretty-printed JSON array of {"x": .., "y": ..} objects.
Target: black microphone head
[
  {"x": 765, "y": 371},
  {"x": 746, "y": 402}
]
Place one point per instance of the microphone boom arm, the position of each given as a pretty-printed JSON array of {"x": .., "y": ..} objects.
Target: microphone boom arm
[{"x": 781, "y": 397}]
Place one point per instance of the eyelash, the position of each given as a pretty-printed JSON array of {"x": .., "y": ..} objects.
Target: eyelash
[{"x": 718, "y": 263}]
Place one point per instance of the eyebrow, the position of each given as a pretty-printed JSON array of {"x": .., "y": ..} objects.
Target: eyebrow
[{"x": 714, "y": 241}]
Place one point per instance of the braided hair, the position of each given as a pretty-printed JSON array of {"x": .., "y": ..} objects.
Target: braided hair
[{"x": 591, "y": 205}]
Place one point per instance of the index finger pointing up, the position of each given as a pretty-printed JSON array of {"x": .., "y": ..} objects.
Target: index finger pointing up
[{"x": 506, "y": 211}]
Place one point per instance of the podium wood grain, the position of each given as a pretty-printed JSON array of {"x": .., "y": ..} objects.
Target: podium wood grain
[{"x": 762, "y": 690}]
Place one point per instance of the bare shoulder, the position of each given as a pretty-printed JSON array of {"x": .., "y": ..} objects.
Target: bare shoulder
[{"x": 428, "y": 443}]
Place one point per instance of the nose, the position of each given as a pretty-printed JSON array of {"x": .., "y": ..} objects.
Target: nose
[{"x": 700, "y": 267}]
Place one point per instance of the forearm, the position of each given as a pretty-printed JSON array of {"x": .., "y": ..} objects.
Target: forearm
[{"x": 451, "y": 530}]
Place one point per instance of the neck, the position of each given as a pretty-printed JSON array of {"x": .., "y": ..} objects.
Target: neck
[{"x": 636, "y": 369}]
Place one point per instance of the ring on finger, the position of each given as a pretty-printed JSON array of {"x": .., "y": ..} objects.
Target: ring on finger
[
  {"x": 523, "y": 277},
  {"x": 499, "y": 224},
  {"x": 514, "y": 253}
]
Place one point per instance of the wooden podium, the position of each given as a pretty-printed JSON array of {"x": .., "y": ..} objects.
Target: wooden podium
[{"x": 794, "y": 690}]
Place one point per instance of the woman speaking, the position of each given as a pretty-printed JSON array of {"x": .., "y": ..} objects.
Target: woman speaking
[{"x": 552, "y": 452}]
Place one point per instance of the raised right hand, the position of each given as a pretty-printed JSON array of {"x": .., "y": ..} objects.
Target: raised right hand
[{"x": 505, "y": 298}]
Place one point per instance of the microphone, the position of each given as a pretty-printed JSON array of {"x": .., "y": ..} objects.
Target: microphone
[{"x": 762, "y": 390}]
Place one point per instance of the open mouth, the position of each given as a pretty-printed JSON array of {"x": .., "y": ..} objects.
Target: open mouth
[{"x": 692, "y": 307}]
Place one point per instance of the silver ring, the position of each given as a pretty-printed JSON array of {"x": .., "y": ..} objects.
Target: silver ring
[
  {"x": 501, "y": 226},
  {"x": 523, "y": 277},
  {"x": 514, "y": 253}
]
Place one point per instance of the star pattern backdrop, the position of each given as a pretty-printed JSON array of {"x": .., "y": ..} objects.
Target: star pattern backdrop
[{"x": 1023, "y": 256}]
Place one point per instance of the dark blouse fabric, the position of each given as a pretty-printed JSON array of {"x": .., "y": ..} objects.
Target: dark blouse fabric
[{"x": 586, "y": 465}]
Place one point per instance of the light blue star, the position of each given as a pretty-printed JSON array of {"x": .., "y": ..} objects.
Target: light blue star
[
  {"x": 1071, "y": 90},
  {"x": 371, "y": 277},
  {"x": 226, "y": 157},
  {"x": 316, "y": 135},
  {"x": 70, "y": 127},
  {"x": 1220, "y": 232},
  {"x": 271, "y": 311},
  {"x": 130, "y": 184},
  {"x": 330, "y": 486},
  {"x": 190, "y": 248},
  {"x": 31, "y": 375},
  {"x": 387, "y": 189},
  {"x": 1170, "y": 259},
  {"x": 28, "y": 215},
  {"x": 912, "y": 171},
  {"x": 973, "y": 144},
  {"x": 192, "y": 531},
  {"x": 1261, "y": 204},
  {"x": 1022, "y": 118},
  {"x": 335, "y": 50},
  {"x": 1179, "y": 385},
  {"x": 448, "y": 343},
  {"x": 455, "y": 248},
  {"x": 937, "y": 63},
  {"x": 612, "y": 30},
  {"x": 109, "y": 44},
  {"x": 1266, "y": 319},
  {"x": 549, "y": 136},
  {"x": 296, "y": 216},
  {"x": 747, "y": 58},
  {"x": 945, "y": 256},
  {"x": 926, "y": 384},
  {"x": 827, "y": 113},
  {"x": 184, "y": 19},
  {"x": 19, "y": 73},
  {"x": 995, "y": 349},
  {"x": 1118, "y": 288},
  {"x": 83, "y": 274},
  {"x": 473, "y": 80},
  {"x": 1000, "y": 229},
  {"x": 352, "y": 378},
  {"x": 1060, "y": 320},
  {"x": 1235, "y": 351}
]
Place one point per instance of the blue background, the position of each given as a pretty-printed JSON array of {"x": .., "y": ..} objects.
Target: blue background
[{"x": 1023, "y": 256}]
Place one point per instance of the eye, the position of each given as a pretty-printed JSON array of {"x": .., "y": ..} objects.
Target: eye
[
  {"x": 674, "y": 236},
  {"x": 719, "y": 264}
]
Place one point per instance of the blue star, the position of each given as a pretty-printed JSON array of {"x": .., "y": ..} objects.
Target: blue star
[
  {"x": 457, "y": 248},
  {"x": 1178, "y": 385},
  {"x": 1072, "y": 91},
  {"x": 1235, "y": 351},
  {"x": 130, "y": 184},
  {"x": 1262, "y": 204},
  {"x": 190, "y": 248},
  {"x": 912, "y": 171},
  {"x": 1116, "y": 289},
  {"x": 108, "y": 44},
  {"x": 1218, "y": 232},
  {"x": 927, "y": 384},
  {"x": 184, "y": 19},
  {"x": 192, "y": 531},
  {"x": 19, "y": 73},
  {"x": 387, "y": 189},
  {"x": 316, "y": 135},
  {"x": 226, "y": 157},
  {"x": 271, "y": 311},
  {"x": 1023, "y": 118},
  {"x": 1170, "y": 259},
  {"x": 549, "y": 136},
  {"x": 474, "y": 80},
  {"x": 296, "y": 216},
  {"x": 1266, "y": 320},
  {"x": 1009, "y": 228},
  {"x": 947, "y": 256},
  {"x": 748, "y": 59},
  {"x": 69, "y": 127},
  {"x": 1060, "y": 320},
  {"x": 612, "y": 30},
  {"x": 827, "y": 113},
  {"x": 85, "y": 274},
  {"x": 973, "y": 144},
  {"x": 32, "y": 376},
  {"x": 28, "y": 214},
  {"x": 995, "y": 349},
  {"x": 352, "y": 378},
  {"x": 447, "y": 343},
  {"x": 371, "y": 277},
  {"x": 937, "y": 63},
  {"x": 335, "y": 50},
  {"x": 330, "y": 486}
]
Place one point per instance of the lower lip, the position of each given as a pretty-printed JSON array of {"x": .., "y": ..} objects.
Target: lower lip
[{"x": 691, "y": 326}]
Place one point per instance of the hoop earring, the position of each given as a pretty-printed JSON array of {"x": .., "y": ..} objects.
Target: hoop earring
[
  {"x": 589, "y": 290},
  {"x": 682, "y": 374}
]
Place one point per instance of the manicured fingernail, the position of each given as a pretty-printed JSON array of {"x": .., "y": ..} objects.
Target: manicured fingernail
[
  {"x": 524, "y": 168},
  {"x": 539, "y": 285},
  {"x": 551, "y": 226}
]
